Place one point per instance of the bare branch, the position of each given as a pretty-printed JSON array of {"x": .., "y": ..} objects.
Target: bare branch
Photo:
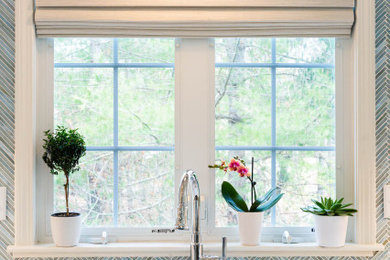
[
  {"x": 233, "y": 119},
  {"x": 229, "y": 75}
]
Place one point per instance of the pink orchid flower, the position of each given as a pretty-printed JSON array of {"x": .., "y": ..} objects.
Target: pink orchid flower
[
  {"x": 234, "y": 164},
  {"x": 243, "y": 171}
]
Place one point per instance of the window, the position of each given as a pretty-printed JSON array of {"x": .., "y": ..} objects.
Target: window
[
  {"x": 355, "y": 98},
  {"x": 274, "y": 99},
  {"x": 109, "y": 89}
]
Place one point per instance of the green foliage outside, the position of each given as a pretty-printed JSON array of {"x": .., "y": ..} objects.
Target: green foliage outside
[{"x": 305, "y": 116}]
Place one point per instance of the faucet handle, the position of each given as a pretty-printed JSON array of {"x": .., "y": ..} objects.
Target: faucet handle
[
  {"x": 224, "y": 241},
  {"x": 211, "y": 257}
]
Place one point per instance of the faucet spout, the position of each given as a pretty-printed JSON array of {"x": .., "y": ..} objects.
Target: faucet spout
[{"x": 189, "y": 179}]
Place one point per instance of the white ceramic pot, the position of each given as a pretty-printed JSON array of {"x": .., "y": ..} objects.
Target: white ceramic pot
[
  {"x": 65, "y": 230},
  {"x": 249, "y": 225},
  {"x": 331, "y": 231}
]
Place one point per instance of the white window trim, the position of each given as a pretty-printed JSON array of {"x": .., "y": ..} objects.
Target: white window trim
[
  {"x": 358, "y": 53},
  {"x": 194, "y": 78},
  {"x": 195, "y": 120},
  {"x": 158, "y": 249}
]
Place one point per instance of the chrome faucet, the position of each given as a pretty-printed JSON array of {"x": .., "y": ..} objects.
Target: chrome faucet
[
  {"x": 196, "y": 249},
  {"x": 189, "y": 178}
]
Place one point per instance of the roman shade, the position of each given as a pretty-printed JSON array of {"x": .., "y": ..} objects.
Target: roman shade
[{"x": 194, "y": 18}]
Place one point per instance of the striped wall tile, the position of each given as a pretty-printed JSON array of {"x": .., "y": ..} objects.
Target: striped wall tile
[
  {"x": 7, "y": 135},
  {"x": 382, "y": 59},
  {"x": 7, "y": 97}
]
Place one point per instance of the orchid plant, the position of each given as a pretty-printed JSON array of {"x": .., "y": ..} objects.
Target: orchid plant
[{"x": 234, "y": 199}]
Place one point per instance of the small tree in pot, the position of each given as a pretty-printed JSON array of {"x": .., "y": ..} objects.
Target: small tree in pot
[{"x": 63, "y": 150}]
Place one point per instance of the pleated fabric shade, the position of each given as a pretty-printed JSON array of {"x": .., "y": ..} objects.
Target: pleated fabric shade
[{"x": 194, "y": 18}]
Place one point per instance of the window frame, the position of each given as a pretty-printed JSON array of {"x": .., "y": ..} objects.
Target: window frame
[
  {"x": 116, "y": 147},
  {"x": 274, "y": 65},
  {"x": 45, "y": 120},
  {"x": 359, "y": 75},
  {"x": 344, "y": 154},
  {"x": 203, "y": 67}
]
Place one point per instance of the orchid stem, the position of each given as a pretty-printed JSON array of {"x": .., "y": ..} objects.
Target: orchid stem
[{"x": 253, "y": 184}]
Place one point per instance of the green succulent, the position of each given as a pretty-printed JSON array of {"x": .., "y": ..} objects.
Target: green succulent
[
  {"x": 329, "y": 207},
  {"x": 235, "y": 200}
]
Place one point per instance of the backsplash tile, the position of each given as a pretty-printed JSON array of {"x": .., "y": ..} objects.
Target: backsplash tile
[
  {"x": 229, "y": 258},
  {"x": 7, "y": 95},
  {"x": 7, "y": 57}
]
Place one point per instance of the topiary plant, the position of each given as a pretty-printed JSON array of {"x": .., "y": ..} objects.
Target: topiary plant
[
  {"x": 63, "y": 150},
  {"x": 329, "y": 207}
]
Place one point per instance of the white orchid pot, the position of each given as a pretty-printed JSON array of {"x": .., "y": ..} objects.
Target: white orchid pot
[
  {"x": 65, "y": 230},
  {"x": 331, "y": 231},
  {"x": 250, "y": 225}
]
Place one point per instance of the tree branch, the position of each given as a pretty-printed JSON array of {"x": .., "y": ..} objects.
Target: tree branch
[{"x": 228, "y": 77}]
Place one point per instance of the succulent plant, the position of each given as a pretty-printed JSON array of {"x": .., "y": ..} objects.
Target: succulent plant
[{"x": 329, "y": 207}]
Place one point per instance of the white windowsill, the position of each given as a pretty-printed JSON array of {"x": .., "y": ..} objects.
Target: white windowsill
[{"x": 182, "y": 249}]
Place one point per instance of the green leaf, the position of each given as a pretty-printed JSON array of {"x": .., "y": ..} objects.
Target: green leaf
[
  {"x": 318, "y": 204},
  {"x": 268, "y": 195},
  {"x": 349, "y": 210},
  {"x": 255, "y": 205},
  {"x": 335, "y": 206},
  {"x": 330, "y": 207},
  {"x": 346, "y": 205},
  {"x": 232, "y": 197},
  {"x": 328, "y": 203},
  {"x": 270, "y": 203}
]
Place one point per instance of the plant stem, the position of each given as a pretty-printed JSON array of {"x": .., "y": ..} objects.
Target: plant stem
[
  {"x": 66, "y": 187},
  {"x": 253, "y": 190},
  {"x": 253, "y": 185}
]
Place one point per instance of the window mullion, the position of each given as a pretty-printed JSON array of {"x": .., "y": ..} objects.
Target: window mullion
[
  {"x": 273, "y": 126},
  {"x": 194, "y": 80},
  {"x": 116, "y": 159}
]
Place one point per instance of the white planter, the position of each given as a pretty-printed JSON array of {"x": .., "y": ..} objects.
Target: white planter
[
  {"x": 250, "y": 224},
  {"x": 65, "y": 230},
  {"x": 331, "y": 231}
]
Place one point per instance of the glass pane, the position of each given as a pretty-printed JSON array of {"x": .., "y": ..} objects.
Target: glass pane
[
  {"x": 146, "y": 107},
  {"x": 305, "y": 50},
  {"x": 83, "y": 99},
  {"x": 305, "y": 107},
  {"x": 91, "y": 190},
  {"x": 249, "y": 50},
  {"x": 149, "y": 50},
  {"x": 226, "y": 216},
  {"x": 302, "y": 177},
  {"x": 83, "y": 50},
  {"x": 243, "y": 106},
  {"x": 146, "y": 189}
]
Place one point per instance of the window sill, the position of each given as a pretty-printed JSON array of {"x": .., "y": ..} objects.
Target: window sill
[{"x": 182, "y": 249}]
